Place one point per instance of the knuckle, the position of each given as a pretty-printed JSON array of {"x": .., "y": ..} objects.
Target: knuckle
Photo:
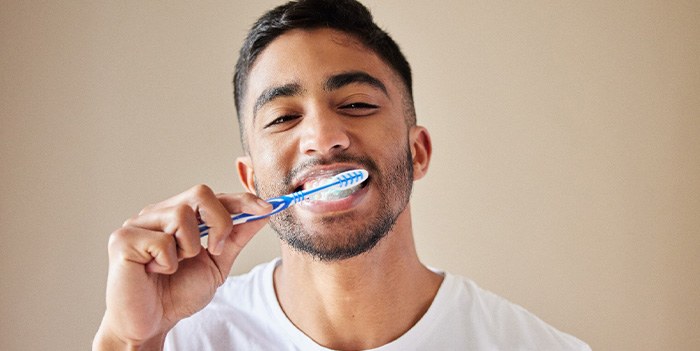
[
  {"x": 120, "y": 234},
  {"x": 248, "y": 197},
  {"x": 181, "y": 213},
  {"x": 189, "y": 252},
  {"x": 222, "y": 227},
  {"x": 128, "y": 222},
  {"x": 147, "y": 208},
  {"x": 131, "y": 222},
  {"x": 118, "y": 238},
  {"x": 201, "y": 190},
  {"x": 170, "y": 268},
  {"x": 178, "y": 217},
  {"x": 164, "y": 241}
]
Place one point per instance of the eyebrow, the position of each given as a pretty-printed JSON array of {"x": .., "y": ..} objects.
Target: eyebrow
[
  {"x": 334, "y": 82},
  {"x": 269, "y": 94},
  {"x": 340, "y": 80}
]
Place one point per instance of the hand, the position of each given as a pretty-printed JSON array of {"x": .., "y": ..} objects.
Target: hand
[{"x": 159, "y": 273}]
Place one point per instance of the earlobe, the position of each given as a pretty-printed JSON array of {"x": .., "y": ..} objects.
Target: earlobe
[
  {"x": 245, "y": 173},
  {"x": 421, "y": 151}
]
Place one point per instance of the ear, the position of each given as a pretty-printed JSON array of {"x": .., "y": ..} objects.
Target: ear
[
  {"x": 421, "y": 150},
  {"x": 245, "y": 173}
]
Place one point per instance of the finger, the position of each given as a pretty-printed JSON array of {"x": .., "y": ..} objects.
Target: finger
[
  {"x": 235, "y": 203},
  {"x": 155, "y": 250},
  {"x": 179, "y": 221},
  {"x": 186, "y": 197},
  {"x": 207, "y": 207},
  {"x": 215, "y": 216},
  {"x": 240, "y": 234},
  {"x": 244, "y": 203},
  {"x": 235, "y": 242}
]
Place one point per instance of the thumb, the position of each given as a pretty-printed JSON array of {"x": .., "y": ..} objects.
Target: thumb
[{"x": 234, "y": 244}]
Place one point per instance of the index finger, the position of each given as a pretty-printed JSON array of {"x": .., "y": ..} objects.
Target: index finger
[
  {"x": 232, "y": 203},
  {"x": 213, "y": 214},
  {"x": 244, "y": 203}
]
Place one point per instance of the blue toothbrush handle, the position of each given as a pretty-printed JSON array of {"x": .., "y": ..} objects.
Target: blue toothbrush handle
[{"x": 278, "y": 204}]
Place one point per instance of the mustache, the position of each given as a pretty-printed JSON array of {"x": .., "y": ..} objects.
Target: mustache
[{"x": 366, "y": 163}]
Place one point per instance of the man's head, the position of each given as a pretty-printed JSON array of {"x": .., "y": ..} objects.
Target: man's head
[
  {"x": 348, "y": 16},
  {"x": 316, "y": 101}
]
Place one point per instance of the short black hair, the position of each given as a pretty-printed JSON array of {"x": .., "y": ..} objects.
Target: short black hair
[{"x": 348, "y": 16}]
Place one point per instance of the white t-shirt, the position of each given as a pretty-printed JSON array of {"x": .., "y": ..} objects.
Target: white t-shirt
[{"x": 245, "y": 315}]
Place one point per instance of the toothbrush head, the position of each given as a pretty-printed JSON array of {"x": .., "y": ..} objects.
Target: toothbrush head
[
  {"x": 340, "y": 185},
  {"x": 351, "y": 178}
]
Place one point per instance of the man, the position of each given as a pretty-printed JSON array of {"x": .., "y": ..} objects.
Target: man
[{"x": 319, "y": 89}]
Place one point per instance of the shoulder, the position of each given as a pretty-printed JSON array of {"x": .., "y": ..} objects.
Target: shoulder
[{"x": 501, "y": 324}]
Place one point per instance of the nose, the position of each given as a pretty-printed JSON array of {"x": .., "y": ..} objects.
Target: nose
[{"x": 323, "y": 134}]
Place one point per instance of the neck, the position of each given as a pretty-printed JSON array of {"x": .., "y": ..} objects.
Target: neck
[{"x": 362, "y": 302}]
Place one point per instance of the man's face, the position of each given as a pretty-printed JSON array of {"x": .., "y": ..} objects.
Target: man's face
[{"x": 318, "y": 103}]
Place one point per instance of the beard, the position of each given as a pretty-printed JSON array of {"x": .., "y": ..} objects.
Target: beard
[{"x": 337, "y": 237}]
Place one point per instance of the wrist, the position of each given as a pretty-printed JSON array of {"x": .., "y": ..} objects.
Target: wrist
[{"x": 106, "y": 340}]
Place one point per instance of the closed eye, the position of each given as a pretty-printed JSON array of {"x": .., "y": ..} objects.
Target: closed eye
[
  {"x": 282, "y": 120},
  {"x": 359, "y": 108}
]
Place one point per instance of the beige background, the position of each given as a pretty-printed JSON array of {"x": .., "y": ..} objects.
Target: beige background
[{"x": 565, "y": 172}]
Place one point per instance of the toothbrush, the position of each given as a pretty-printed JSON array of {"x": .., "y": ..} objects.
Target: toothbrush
[{"x": 339, "y": 181}]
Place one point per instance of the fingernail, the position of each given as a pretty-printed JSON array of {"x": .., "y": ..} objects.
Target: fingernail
[{"x": 263, "y": 203}]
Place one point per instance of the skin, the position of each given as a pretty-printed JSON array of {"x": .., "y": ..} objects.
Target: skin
[{"x": 160, "y": 274}]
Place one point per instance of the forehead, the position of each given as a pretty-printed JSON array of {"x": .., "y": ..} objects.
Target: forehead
[{"x": 307, "y": 58}]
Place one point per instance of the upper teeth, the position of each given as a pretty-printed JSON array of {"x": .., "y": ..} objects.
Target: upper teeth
[
  {"x": 316, "y": 183},
  {"x": 333, "y": 193}
]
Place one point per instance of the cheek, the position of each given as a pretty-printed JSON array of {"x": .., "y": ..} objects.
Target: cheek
[
  {"x": 272, "y": 159},
  {"x": 388, "y": 137}
]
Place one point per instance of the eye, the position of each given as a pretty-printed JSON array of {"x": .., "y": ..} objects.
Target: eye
[
  {"x": 282, "y": 120},
  {"x": 359, "y": 108}
]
